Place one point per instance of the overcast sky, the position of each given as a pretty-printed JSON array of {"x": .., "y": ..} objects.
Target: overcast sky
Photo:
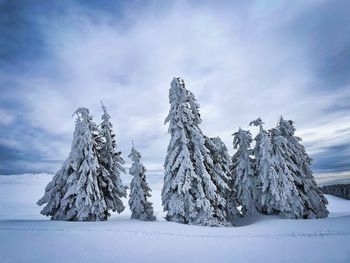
[{"x": 242, "y": 60}]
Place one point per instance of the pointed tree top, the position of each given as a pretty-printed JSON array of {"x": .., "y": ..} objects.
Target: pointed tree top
[
  {"x": 217, "y": 140},
  {"x": 257, "y": 122},
  {"x": 103, "y": 106},
  {"x": 177, "y": 86},
  {"x": 239, "y": 131},
  {"x": 105, "y": 115},
  {"x": 217, "y": 143},
  {"x": 180, "y": 96},
  {"x": 135, "y": 155},
  {"x": 81, "y": 112},
  {"x": 282, "y": 120},
  {"x": 178, "y": 81},
  {"x": 286, "y": 127},
  {"x": 242, "y": 132},
  {"x": 242, "y": 137}
]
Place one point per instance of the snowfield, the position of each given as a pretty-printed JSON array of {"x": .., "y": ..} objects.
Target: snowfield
[{"x": 27, "y": 236}]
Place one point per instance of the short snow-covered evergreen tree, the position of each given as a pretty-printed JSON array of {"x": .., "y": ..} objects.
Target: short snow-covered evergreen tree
[
  {"x": 111, "y": 166},
  {"x": 189, "y": 194},
  {"x": 74, "y": 193},
  {"x": 242, "y": 170},
  {"x": 223, "y": 179},
  {"x": 299, "y": 163},
  {"x": 276, "y": 192},
  {"x": 140, "y": 207}
]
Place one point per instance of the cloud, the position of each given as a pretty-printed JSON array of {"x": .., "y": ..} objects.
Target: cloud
[
  {"x": 6, "y": 118},
  {"x": 333, "y": 159},
  {"x": 241, "y": 60}
]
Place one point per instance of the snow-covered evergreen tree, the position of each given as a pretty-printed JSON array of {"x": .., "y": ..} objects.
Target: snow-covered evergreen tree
[
  {"x": 299, "y": 163},
  {"x": 74, "y": 193},
  {"x": 189, "y": 194},
  {"x": 242, "y": 170},
  {"x": 111, "y": 166},
  {"x": 140, "y": 207},
  {"x": 285, "y": 199},
  {"x": 223, "y": 178},
  {"x": 266, "y": 182},
  {"x": 276, "y": 191}
]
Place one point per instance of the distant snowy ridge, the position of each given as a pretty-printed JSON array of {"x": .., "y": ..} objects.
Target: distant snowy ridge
[{"x": 333, "y": 178}]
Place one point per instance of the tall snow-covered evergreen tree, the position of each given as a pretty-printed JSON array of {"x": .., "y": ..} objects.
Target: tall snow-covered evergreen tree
[
  {"x": 111, "y": 166},
  {"x": 242, "y": 170},
  {"x": 140, "y": 207},
  {"x": 223, "y": 178},
  {"x": 189, "y": 194},
  {"x": 266, "y": 180},
  {"x": 285, "y": 200},
  {"x": 276, "y": 192},
  {"x": 74, "y": 193},
  {"x": 299, "y": 163}
]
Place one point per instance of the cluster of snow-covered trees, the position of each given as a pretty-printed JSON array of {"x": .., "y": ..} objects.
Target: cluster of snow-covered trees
[
  {"x": 88, "y": 186},
  {"x": 203, "y": 185}
]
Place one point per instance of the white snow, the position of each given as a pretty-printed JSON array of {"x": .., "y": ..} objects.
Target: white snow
[{"x": 27, "y": 236}]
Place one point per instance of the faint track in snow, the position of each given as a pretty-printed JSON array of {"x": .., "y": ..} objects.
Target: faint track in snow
[{"x": 169, "y": 234}]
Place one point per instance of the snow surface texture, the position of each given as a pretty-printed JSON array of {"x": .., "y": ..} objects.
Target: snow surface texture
[{"x": 27, "y": 236}]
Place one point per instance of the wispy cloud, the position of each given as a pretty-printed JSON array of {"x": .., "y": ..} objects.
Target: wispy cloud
[{"x": 241, "y": 60}]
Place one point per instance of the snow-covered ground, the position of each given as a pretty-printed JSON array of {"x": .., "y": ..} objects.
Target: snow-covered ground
[{"x": 27, "y": 236}]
